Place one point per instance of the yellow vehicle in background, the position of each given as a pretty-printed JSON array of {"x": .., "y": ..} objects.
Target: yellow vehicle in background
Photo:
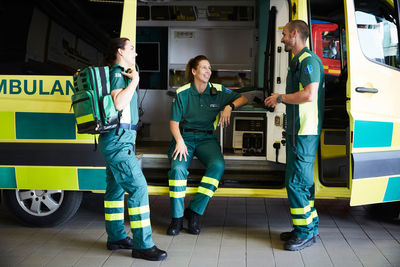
[{"x": 45, "y": 166}]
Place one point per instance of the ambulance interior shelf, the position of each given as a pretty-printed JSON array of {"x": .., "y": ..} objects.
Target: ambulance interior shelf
[{"x": 233, "y": 79}]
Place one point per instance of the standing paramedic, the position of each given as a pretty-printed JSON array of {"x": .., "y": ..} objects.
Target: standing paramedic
[
  {"x": 124, "y": 174},
  {"x": 194, "y": 117},
  {"x": 304, "y": 99}
]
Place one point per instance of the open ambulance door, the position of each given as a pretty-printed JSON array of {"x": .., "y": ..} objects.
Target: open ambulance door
[
  {"x": 373, "y": 100},
  {"x": 277, "y": 62}
]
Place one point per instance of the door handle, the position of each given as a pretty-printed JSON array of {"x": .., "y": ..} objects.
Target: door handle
[{"x": 366, "y": 90}]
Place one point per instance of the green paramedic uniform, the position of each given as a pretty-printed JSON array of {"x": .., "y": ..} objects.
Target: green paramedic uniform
[
  {"x": 125, "y": 175},
  {"x": 302, "y": 135},
  {"x": 198, "y": 116}
]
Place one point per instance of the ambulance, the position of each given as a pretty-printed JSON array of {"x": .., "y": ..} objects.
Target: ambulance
[{"x": 45, "y": 166}]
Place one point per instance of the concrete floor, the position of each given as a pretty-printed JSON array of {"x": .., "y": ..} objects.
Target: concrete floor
[{"x": 235, "y": 232}]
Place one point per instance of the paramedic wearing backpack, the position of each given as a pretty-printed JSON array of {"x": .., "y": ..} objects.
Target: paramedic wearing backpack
[
  {"x": 304, "y": 99},
  {"x": 123, "y": 171},
  {"x": 194, "y": 113}
]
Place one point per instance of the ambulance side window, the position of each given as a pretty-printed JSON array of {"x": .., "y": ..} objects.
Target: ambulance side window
[
  {"x": 377, "y": 23},
  {"x": 55, "y": 37}
]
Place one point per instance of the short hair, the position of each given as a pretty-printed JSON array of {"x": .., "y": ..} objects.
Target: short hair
[
  {"x": 301, "y": 27},
  {"x": 192, "y": 64}
]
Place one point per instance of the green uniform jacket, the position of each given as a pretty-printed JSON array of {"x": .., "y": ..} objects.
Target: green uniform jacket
[
  {"x": 307, "y": 117},
  {"x": 119, "y": 81},
  {"x": 199, "y": 111}
]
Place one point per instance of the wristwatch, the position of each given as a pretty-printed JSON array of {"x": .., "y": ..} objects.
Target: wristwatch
[
  {"x": 232, "y": 106},
  {"x": 279, "y": 99}
]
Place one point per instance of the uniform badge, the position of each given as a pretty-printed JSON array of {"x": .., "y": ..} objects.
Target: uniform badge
[
  {"x": 308, "y": 69},
  {"x": 214, "y": 105},
  {"x": 118, "y": 75},
  {"x": 228, "y": 90}
]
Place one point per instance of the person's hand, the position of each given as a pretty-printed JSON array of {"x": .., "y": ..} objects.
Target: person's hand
[
  {"x": 180, "y": 150},
  {"x": 131, "y": 74},
  {"x": 225, "y": 118},
  {"x": 271, "y": 100}
]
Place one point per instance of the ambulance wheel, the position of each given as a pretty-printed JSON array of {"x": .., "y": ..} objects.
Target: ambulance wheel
[
  {"x": 43, "y": 208},
  {"x": 385, "y": 211}
]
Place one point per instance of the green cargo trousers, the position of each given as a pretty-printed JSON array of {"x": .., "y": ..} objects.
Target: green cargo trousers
[
  {"x": 299, "y": 183},
  {"x": 125, "y": 175},
  {"x": 206, "y": 148}
]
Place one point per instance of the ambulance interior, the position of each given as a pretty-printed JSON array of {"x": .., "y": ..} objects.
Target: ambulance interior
[{"x": 254, "y": 144}]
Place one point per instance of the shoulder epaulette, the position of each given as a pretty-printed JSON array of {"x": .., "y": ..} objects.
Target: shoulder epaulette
[
  {"x": 183, "y": 88},
  {"x": 304, "y": 56},
  {"x": 217, "y": 86}
]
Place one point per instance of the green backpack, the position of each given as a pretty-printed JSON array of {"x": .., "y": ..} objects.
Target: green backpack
[{"x": 92, "y": 103}]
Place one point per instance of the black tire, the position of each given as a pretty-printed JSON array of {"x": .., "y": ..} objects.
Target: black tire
[
  {"x": 385, "y": 211},
  {"x": 42, "y": 208}
]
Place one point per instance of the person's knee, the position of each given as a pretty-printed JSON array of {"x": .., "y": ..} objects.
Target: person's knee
[
  {"x": 137, "y": 190},
  {"x": 217, "y": 166},
  {"x": 178, "y": 170}
]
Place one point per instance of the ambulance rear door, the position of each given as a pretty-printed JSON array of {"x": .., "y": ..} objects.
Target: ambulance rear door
[{"x": 276, "y": 80}]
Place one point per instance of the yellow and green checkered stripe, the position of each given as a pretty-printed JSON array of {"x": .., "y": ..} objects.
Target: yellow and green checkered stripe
[
  {"x": 30, "y": 125},
  {"x": 65, "y": 178},
  {"x": 40, "y": 127},
  {"x": 375, "y": 190},
  {"x": 376, "y": 134},
  {"x": 376, "y": 174}
]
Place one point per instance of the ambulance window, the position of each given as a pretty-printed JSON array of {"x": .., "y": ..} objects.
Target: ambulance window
[
  {"x": 377, "y": 31},
  {"x": 330, "y": 43},
  {"x": 55, "y": 37}
]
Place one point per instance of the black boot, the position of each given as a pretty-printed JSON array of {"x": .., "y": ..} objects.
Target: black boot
[
  {"x": 193, "y": 221},
  {"x": 297, "y": 243},
  {"x": 150, "y": 254},
  {"x": 125, "y": 243},
  {"x": 285, "y": 236},
  {"x": 175, "y": 227}
]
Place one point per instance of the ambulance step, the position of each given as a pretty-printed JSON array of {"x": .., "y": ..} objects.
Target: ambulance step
[
  {"x": 161, "y": 161},
  {"x": 231, "y": 178}
]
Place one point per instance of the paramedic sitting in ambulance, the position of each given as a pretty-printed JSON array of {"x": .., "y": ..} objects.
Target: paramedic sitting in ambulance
[
  {"x": 194, "y": 117},
  {"x": 124, "y": 174},
  {"x": 304, "y": 101}
]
